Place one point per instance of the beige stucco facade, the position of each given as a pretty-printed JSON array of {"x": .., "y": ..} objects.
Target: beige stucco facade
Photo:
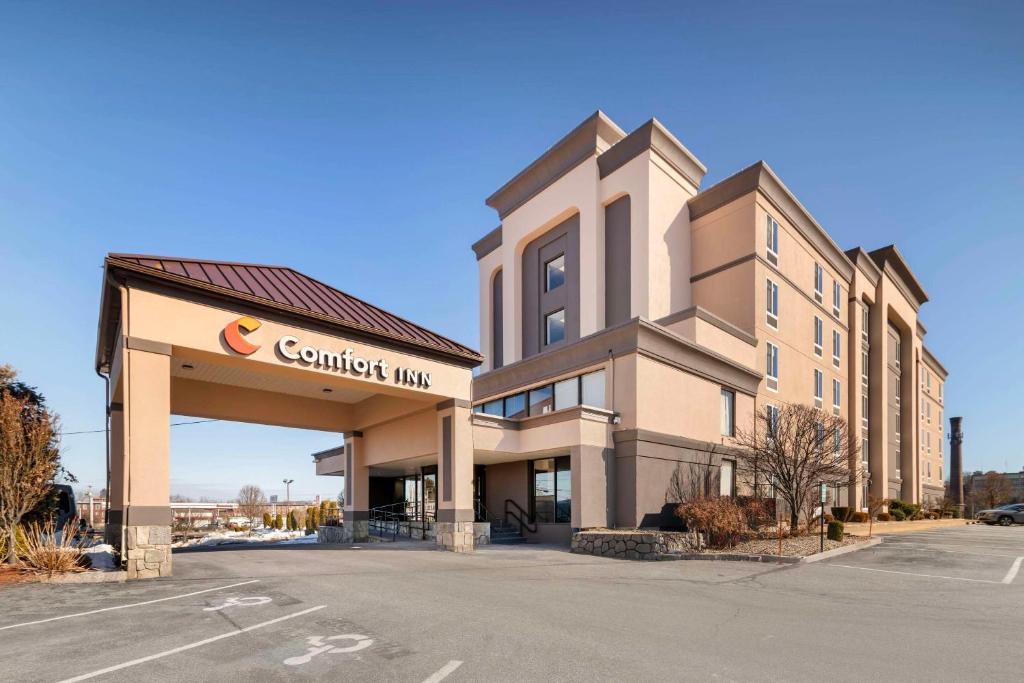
[{"x": 733, "y": 288}]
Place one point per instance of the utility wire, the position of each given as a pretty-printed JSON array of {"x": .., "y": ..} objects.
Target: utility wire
[{"x": 173, "y": 424}]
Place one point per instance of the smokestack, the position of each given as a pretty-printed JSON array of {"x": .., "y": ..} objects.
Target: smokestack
[{"x": 956, "y": 461}]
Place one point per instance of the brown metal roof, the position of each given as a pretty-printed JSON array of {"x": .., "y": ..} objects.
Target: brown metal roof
[{"x": 285, "y": 287}]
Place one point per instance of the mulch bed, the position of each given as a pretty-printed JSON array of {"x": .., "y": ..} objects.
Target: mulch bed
[
  {"x": 799, "y": 546},
  {"x": 9, "y": 575}
]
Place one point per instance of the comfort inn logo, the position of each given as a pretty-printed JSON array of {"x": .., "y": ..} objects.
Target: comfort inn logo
[{"x": 233, "y": 335}]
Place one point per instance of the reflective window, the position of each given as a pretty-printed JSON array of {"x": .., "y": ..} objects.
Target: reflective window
[
  {"x": 593, "y": 389},
  {"x": 552, "y": 491},
  {"x": 567, "y": 393},
  {"x": 542, "y": 400},
  {"x": 515, "y": 406},
  {"x": 554, "y": 327},
  {"x": 728, "y": 413},
  {"x": 494, "y": 407},
  {"x": 554, "y": 273}
]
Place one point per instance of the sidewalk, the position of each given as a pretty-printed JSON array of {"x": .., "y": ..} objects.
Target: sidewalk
[{"x": 889, "y": 528}]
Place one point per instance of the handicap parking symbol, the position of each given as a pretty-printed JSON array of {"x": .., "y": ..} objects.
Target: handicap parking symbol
[{"x": 318, "y": 645}]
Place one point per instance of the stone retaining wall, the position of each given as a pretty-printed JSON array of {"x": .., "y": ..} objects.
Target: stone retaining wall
[
  {"x": 330, "y": 534},
  {"x": 633, "y": 544}
]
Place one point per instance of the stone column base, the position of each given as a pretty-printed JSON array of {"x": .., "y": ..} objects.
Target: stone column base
[
  {"x": 148, "y": 551},
  {"x": 458, "y": 537},
  {"x": 355, "y": 531}
]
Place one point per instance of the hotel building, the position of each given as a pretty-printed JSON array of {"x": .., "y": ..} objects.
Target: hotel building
[{"x": 631, "y": 319}]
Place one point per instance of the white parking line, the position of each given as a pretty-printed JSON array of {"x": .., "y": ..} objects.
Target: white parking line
[
  {"x": 190, "y": 646},
  {"x": 444, "y": 671},
  {"x": 133, "y": 604},
  {"x": 937, "y": 549},
  {"x": 1014, "y": 568},
  {"x": 927, "y": 576}
]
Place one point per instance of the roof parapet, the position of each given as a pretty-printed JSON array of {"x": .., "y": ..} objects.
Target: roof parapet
[
  {"x": 890, "y": 260},
  {"x": 594, "y": 135},
  {"x": 760, "y": 177},
  {"x": 654, "y": 136}
]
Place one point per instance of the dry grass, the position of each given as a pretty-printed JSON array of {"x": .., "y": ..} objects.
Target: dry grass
[{"x": 52, "y": 553}]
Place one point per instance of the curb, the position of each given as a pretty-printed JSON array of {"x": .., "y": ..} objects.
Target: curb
[
  {"x": 87, "y": 577},
  {"x": 774, "y": 559},
  {"x": 854, "y": 547}
]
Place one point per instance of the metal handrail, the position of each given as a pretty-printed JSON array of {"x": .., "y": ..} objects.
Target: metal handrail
[
  {"x": 481, "y": 511},
  {"x": 384, "y": 518},
  {"x": 521, "y": 516}
]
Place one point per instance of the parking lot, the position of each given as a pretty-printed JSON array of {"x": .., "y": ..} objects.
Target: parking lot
[{"x": 935, "y": 605}]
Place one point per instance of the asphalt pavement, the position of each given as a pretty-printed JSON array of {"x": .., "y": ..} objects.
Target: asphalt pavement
[{"x": 934, "y": 606}]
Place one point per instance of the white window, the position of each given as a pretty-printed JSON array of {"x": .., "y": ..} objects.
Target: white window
[
  {"x": 837, "y": 294},
  {"x": 928, "y": 438},
  {"x": 837, "y": 391},
  {"x": 928, "y": 379},
  {"x": 773, "y": 241},
  {"x": 836, "y": 344},
  {"x": 819, "y": 282},
  {"x": 772, "y": 366},
  {"x": 899, "y": 352},
  {"x": 922, "y": 408},
  {"x": 554, "y": 327},
  {"x": 929, "y": 469},
  {"x": 592, "y": 389},
  {"x": 928, "y": 410},
  {"x": 819, "y": 380},
  {"x": 865, "y": 319},
  {"x": 772, "y": 303},
  {"x": 725, "y": 478},
  {"x": 896, "y": 418},
  {"x": 899, "y": 392},
  {"x": 728, "y": 412},
  {"x": 819, "y": 335},
  {"x": 773, "y": 419},
  {"x": 554, "y": 273},
  {"x": 940, "y": 390}
]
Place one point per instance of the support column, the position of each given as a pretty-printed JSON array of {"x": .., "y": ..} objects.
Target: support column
[
  {"x": 356, "y": 527},
  {"x": 145, "y": 466},
  {"x": 455, "y": 527},
  {"x": 593, "y": 498}
]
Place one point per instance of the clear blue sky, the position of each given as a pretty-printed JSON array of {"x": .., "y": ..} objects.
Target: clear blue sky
[{"x": 359, "y": 145}]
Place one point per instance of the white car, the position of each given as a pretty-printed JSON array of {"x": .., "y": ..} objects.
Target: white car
[{"x": 1007, "y": 515}]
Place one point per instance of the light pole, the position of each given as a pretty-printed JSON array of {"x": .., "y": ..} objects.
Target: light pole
[{"x": 288, "y": 490}]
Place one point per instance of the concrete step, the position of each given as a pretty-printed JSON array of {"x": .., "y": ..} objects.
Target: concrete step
[{"x": 507, "y": 540}]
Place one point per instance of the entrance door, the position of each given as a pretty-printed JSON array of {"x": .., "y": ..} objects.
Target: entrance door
[
  {"x": 479, "y": 493},
  {"x": 429, "y": 493}
]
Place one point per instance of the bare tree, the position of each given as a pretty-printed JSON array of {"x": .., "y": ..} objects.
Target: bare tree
[
  {"x": 251, "y": 503},
  {"x": 29, "y": 461},
  {"x": 995, "y": 489},
  {"x": 796, "y": 448}
]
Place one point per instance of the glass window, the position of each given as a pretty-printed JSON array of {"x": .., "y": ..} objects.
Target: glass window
[
  {"x": 773, "y": 418},
  {"x": 593, "y": 389},
  {"x": 542, "y": 400},
  {"x": 554, "y": 327},
  {"x": 772, "y": 365},
  {"x": 567, "y": 393},
  {"x": 836, "y": 393},
  {"x": 865, "y": 319},
  {"x": 772, "y": 303},
  {"x": 837, "y": 294},
  {"x": 515, "y": 406},
  {"x": 554, "y": 273},
  {"x": 772, "y": 240},
  {"x": 819, "y": 281},
  {"x": 818, "y": 384},
  {"x": 725, "y": 486},
  {"x": 819, "y": 335},
  {"x": 837, "y": 343},
  {"x": 728, "y": 412},
  {"x": 496, "y": 407},
  {"x": 552, "y": 491}
]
